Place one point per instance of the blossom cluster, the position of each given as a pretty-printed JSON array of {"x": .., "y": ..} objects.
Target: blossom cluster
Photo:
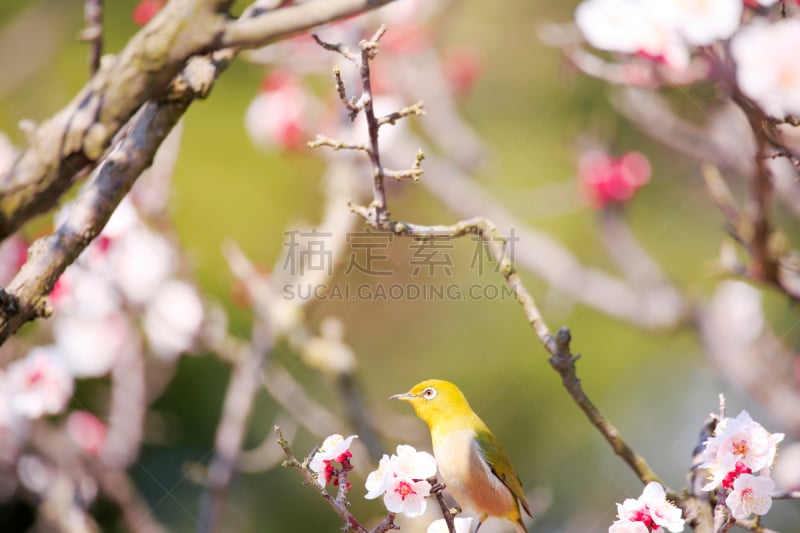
[
  {"x": 402, "y": 480},
  {"x": 130, "y": 270},
  {"x": 650, "y": 512},
  {"x": 738, "y": 458},
  {"x": 123, "y": 294},
  {"x": 668, "y": 31}
]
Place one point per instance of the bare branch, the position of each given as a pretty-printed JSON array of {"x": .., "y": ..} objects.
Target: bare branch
[
  {"x": 61, "y": 147},
  {"x": 412, "y": 173},
  {"x": 275, "y": 25},
  {"x": 448, "y": 514},
  {"x": 79, "y": 134},
  {"x": 563, "y": 362},
  {"x": 244, "y": 382},
  {"x": 350, "y": 104},
  {"x": 338, "y": 505},
  {"x": 392, "y": 118},
  {"x": 339, "y": 48},
  {"x": 321, "y": 140},
  {"x": 49, "y": 256},
  {"x": 93, "y": 33}
]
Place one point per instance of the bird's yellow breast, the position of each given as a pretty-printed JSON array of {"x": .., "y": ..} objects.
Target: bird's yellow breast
[{"x": 467, "y": 476}]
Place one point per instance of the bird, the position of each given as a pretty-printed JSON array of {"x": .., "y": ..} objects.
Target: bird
[{"x": 474, "y": 466}]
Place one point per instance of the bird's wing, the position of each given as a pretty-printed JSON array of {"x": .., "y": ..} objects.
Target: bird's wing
[{"x": 495, "y": 456}]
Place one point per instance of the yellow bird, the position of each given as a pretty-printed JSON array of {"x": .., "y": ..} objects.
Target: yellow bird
[{"x": 474, "y": 467}]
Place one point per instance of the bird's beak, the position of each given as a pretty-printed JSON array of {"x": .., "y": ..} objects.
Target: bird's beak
[{"x": 406, "y": 396}]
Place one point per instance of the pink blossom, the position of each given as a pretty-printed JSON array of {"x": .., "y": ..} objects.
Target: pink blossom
[
  {"x": 39, "y": 384},
  {"x": 754, "y": 3},
  {"x": 407, "y": 38},
  {"x": 13, "y": 254},
  {"x": 606, "y": 179},
  {"x": 463, "y": 67},
  {"x": 145, "y": 10},
  {"x": 277, "y": 116},
  {"x": 87, "y": 431}
]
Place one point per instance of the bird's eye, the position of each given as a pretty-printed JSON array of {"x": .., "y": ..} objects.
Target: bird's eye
[{"x": 429, "y": 393}]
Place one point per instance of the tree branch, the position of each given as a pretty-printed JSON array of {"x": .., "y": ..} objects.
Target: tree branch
[
  {"x": 49, "y": 256},
  {"x": 79, "y": 134},
  {"x": 351, "y": 523},
  {"x": 93, "y": 33},
  {"x": 61, "y": 147},
  {"x": 275, "y": 25},
  {"x": 562, "y": 360}
]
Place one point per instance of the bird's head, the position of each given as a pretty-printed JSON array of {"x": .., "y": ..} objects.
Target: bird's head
[{"x": 436, "y": 401}]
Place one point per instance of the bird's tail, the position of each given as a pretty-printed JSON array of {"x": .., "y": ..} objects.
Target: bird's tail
[{"x": 520, "y": 526}]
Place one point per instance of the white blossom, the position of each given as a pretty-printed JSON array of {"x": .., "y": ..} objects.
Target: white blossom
[
  {"x": 627, "y": 526},
  {"x": 750, "y": 494},
  {"x": 334, "y": 448},
  {"x": 633, "y": 27},
  {"x": 651, "y": 509},
  {"x": 767, "y": 69},
  {"x": 701, "y": 22},
  {"x": 39, "y": 384},
  {"x": 328, "y": 352},
  {"x": 402, "y": 479},
  {"x": 140, "y": 260},
  {"x": 462, "y": 525},
  {"x": 738, "y": 440},
  {"x": 173, "y": 318},
  {"x": 89, "y": 346}
]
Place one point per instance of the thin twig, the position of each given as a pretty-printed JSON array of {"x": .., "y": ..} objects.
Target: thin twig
[
  {"x": 563, "y": 362},
  {"x": 350, "y": 104},
  {"x": 338, "y": 505},
  {"x": 321, "y": 140},
  {"x": 93, "y": 33},
  {"x": 448, "y": 514},
  {"x": 786, "y": 495},
  {"x": 764, "y": 266},
  {"x": 392, "y": 118},
  {"x": 242, "y": 387}
]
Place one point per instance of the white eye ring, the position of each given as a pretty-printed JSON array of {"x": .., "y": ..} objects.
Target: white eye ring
[{"x": 429, "y": 393}]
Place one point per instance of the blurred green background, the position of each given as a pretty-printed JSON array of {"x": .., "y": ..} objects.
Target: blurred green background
[{"x": 657, "y": 388}]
